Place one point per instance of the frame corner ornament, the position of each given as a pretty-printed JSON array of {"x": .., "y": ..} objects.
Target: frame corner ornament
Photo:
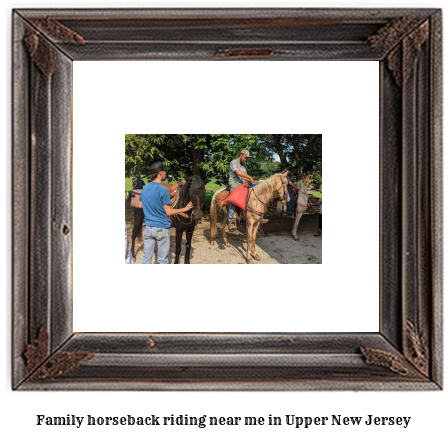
[
  {"x": 40, "y": 49},
  {"x": 396, "y": 362},
  {"x": 40, "y": 365},
  {"x": 401, "y": 56},
  {"x": 417, "y": 349}
]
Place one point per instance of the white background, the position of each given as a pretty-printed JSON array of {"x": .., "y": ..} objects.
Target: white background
[
  {"x": 115, "y": 98},
  {"x": 427, "y": 409}
]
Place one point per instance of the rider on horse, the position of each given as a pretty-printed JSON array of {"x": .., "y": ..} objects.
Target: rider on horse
[
  {"x": 292, "y": 191},
  {"x": 237, "y": 175}
]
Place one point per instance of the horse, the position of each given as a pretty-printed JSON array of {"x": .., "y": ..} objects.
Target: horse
[
  {"x": 258, "y": 199},
  {"x": 137, "y": 230},
  {"x": 193, "y": 190},
  {"x": 302, "y": 205}
]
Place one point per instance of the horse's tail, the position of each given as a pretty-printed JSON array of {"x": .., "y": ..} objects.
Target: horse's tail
[
  {"x": 214, "y": 210},
  {"x": 139, "y": 218},
  {"x": 140, "y": 234}
]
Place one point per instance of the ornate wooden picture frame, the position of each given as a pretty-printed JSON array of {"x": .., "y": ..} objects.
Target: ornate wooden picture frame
[{"x": 406, "y": 353}]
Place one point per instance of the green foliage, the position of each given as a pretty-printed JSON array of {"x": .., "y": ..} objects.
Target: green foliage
[
  {"x": 317, "y": 180},
  {"x": 210, "y": 154},
  {"x": 302, "y": 152}
]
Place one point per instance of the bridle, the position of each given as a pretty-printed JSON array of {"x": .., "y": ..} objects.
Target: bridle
[
  {"x": 278, "y": 191},
  {"x": 284, "y": 183},
  {"x": 184, "y": 214}
]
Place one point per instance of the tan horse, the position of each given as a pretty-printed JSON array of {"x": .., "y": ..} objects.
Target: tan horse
[
  {"x": 257, "y": 203},
  {"x": 265, "y": 194}
]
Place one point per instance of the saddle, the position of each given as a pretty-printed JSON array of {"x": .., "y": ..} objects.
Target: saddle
[
  {"x": 222, "y": 197},
  {"x": 135, "y": 198},
  {"x": 135, "y": 195},
  {"x": 173, "y": 190},
  {"x": 239, "y": 213}
]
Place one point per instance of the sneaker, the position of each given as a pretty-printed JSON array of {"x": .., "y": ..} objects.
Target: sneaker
[
  {"x": 264, "y": 221},
  {"x": 232, "y": 227}
]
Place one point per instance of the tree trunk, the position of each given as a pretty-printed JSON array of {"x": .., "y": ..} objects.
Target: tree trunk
[
  {"x": 197, "y": 160},
  {"x": 299, "y": 162},
  {"x": 279, "y": 148}
]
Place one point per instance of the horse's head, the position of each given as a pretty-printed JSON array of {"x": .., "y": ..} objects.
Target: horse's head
[
  {"x": 196, "y": 188},
  {"x": 282, "y": 187}
]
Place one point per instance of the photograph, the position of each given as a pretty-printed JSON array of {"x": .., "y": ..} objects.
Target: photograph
[{"x": 187, "y": 216}]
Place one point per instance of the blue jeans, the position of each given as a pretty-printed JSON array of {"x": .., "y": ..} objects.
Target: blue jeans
[
  {"x": 291, "y": 204},
  {"x": 232, "y": 207},
  {"x": 151, "y": 235}
]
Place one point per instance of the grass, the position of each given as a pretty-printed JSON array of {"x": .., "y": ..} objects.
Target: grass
[
  {"x": 128, "y": 184},
  {"x": 315, "y": 194}
]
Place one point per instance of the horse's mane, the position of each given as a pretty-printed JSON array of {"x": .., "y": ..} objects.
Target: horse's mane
[
  {"x": 301, "y": 185},
  {"x": 183, "y": 195},
  {"x": 268, "y": 185},
  {"x": 194, "y": 184}
]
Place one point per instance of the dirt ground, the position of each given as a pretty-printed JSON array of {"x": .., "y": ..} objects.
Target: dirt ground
[{"x": 274, "y": 246}]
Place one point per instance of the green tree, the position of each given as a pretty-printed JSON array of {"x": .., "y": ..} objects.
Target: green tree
[
  {"x": 223, "y": 148},
  {"x": 209, "y": 155},
  {"x": 302, "y": 152}
]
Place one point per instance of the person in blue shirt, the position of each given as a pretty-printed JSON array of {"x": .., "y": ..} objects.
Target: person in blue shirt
[{"x": 156, "y": 204}]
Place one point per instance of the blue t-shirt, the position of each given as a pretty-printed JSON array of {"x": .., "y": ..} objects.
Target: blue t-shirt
[{"x": 154, "y": 196}]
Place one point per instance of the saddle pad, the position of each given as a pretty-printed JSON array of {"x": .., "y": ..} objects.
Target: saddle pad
[
  {"x": 135, "y": 198},
  {"x": 223, "y": 195}
]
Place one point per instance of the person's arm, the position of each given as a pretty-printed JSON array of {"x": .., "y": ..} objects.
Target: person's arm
[
  {"x": 170, "y": 210},
  {"x": 244, "y": 176}
]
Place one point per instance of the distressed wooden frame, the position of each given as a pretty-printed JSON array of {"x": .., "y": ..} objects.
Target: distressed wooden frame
[{"x": 406, "y": 354}]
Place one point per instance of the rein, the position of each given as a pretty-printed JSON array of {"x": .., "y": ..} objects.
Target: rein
[
  {"x": 250, "y": 208},
  {"x": 185, "y": 214},
  {"x": 298, "y": 203},
  {"x": 259, "y": 200}
]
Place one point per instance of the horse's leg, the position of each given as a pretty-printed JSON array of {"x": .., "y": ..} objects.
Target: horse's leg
[
  {"x": 296, "y": 225},
  {"x": 189, "y": 235},
  {"x": 214, "y": 211},
  {"x": 179, "y": 232},
  {"x": 249, "y": 228},
  {"x": 254, "y": 238},
  {"x": 137, "y": 230},
  {"x": 133, "y": 243},
  {"x": 223, "y": 225}
]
